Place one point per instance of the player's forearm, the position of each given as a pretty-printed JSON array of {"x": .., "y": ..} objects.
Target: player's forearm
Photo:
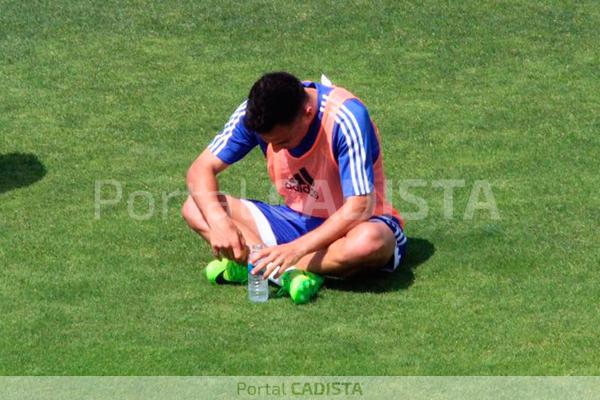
[
  {"x": 204, "y": 188},
  {"x": 354, "y": 211}
]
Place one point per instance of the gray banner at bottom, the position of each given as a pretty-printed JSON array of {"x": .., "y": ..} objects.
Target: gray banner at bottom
[{"x": 299, "y": 387}]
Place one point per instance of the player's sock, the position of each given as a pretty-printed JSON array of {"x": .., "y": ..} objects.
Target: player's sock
[{"x": 277, "y": 281}]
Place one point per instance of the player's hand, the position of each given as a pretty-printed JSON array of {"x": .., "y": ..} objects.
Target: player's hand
[
  {"x": 226, "y": 240},
  {"x": 283, "y": 256}
]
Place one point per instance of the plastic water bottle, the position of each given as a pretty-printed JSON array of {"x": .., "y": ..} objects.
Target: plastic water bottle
[{"x": 258, "y": 288}]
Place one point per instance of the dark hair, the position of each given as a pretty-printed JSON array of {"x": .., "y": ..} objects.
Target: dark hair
[{"x": 276, "y": 98}]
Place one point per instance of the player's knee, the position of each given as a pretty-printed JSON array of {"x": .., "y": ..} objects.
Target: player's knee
[
  {"x": 186, "y": 211},
  {"x": 367, "y": 245},
  {"x": 191, "y": 214}
]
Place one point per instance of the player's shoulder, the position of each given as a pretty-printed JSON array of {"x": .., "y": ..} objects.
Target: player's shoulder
[
  {"x": 353, "y": 112},
  {"x": 236, "y": 120},
  {"x": 353, "y": 127},
  {"x": 351, "y": 106},
  {"x": 239, "y": 112},
  {"x": 357, "y": 108}
]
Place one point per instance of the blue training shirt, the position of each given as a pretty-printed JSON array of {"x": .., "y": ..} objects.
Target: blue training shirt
[{"x": 355, "y": 145}]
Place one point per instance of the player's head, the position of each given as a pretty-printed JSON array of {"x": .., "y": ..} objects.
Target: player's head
[{"x": 276, "y": 109}]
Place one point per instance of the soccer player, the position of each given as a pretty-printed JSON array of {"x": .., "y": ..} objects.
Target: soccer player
[{"x": 324, "y": 156}]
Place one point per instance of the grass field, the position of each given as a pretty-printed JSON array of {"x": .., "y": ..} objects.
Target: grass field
[{"x": 506, "y": 92}]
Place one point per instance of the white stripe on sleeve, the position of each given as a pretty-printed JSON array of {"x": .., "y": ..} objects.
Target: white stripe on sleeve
[
  {"x": 355, "y": 183},
  {"x": 229, "y": 124},
  {"x": 361, "y": 165},
  {"x": 221, "y": 139},
  {"x": 355, "y": 154},
  {"x": 355, "y": 151}
]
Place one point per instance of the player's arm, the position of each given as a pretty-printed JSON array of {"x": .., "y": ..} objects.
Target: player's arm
[
  {"x": 228, "y": 147},
  {"x": 225, "y": 239},
  {"x": 354, "y": 140},
  {"x": 356, "y": 209}
]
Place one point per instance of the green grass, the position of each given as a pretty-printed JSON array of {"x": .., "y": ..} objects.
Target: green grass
[{"x": 507, "y": 92}]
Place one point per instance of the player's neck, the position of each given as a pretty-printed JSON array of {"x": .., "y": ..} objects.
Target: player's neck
[
  {"x": 312, "y": 101},
  {"x": 308, "y": 116},
  {"x": 313, "y": 108}
]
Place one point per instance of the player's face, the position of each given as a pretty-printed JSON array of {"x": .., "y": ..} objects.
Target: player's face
[
  {"x": 290, "y": 135},
  {"x": 284, "y": 136}
]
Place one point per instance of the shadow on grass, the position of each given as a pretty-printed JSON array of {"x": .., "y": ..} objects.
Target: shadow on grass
[
  {"x": 418, "y": 251},
  {"x": 18, "y": 170}
]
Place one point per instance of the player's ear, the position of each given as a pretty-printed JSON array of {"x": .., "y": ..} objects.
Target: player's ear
[{"x": 307, "y": 109}]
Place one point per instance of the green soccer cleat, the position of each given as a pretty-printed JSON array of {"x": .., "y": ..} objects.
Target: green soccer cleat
[
  {"x": 302, "y": 286},
  {"x": 226, "y": 271}
]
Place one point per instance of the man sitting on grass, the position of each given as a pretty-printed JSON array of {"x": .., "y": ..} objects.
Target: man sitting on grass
[{"x": 324, "y": 156}]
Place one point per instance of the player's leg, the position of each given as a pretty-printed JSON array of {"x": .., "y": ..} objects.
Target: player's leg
[
  {"x": 235, "y": 208},
  {"x": 368, "y": 246},
  {"x": 192, "y": 215},
  {"x": 223, "y": 270}
]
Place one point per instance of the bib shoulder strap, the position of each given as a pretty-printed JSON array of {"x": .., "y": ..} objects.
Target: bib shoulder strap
[{"x": 335, "y": 100}]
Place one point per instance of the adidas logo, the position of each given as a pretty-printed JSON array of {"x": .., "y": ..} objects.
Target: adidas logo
[{"x": 302, "y": 182}]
